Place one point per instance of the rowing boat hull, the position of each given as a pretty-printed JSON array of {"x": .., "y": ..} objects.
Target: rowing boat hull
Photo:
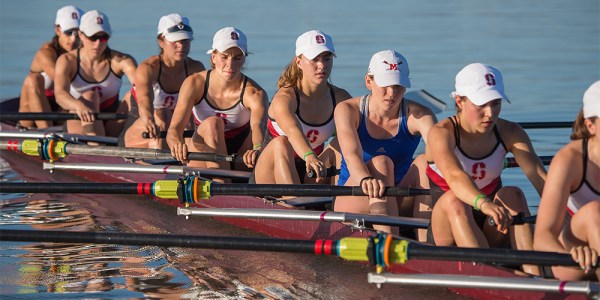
[{"x": 292, "y": 229}]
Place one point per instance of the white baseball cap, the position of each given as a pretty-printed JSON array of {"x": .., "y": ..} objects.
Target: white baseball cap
[
  {"x": 591, "y": 101},
  {"x": 93, "y": 22},
  {"x": 175, "y": 28},
  {"x": 312, "y": 43},
  {"x": 229, "y": 37},
  {"x": 480, "y": 83},
  {"x": 389, "y": 68},
  {"x": 68, "y": 17}
]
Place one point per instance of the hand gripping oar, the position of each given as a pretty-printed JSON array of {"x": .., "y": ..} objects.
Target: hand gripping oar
[
  {"x": 192, "y": 189},
  {"x": 52, "y": 149},
  {"x": 509, "y": 162},
  {"x": 376, "y": 249},
  {"x": 53, "y": 116}
]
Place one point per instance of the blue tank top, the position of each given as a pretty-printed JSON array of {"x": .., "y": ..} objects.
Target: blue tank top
[{"x": 399, "y": 148}]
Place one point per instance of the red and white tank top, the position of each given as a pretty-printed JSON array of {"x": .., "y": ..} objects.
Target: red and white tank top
[
  {"x": 108, "y": 88},
  {"x": 484, "y": 171},
  {"x": 236, "y": 118},
  {"x": 316, "y": 134},
  {"x": 162, "y": 98},
  {"x": 584, "y": 193}
]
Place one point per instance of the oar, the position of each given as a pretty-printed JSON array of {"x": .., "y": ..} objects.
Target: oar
[
  {"x": 163, "y": 134},
  {"x": 545, "y": 125},
  {"x": 54, "y": 116},
  {"x": 65, "y": 136},
  {"x": 488, "y": 282},
  {"x": 155, "y": 169},
  {"x": 354, "y": 249},
  {"x": 194, "y": 189},
  {"x": 358, "y": 220},
  {"x": 49, "y": 149},
  {"x": 509, "y": 162}
]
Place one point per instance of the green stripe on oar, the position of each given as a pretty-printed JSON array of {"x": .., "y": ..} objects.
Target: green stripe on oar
[
  {"x": 354, "y": 249},
  {"x": 60, "y": 149},
  {"x": 167, "y": 189},
  {"x": 50, "y": 116}
]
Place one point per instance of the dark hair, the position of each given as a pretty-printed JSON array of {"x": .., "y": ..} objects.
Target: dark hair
[
  {"x": 580, "y": 131},
  {"x": 56, "y": 46}
]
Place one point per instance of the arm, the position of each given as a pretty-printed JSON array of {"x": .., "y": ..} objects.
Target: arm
[
  {"x": 145, "y": 75},
  {"x": 562, "y": 177},
  {"x": 420, "y": 119},
  {"x": 66, "y": 68},
  {"x": 190, "y": 90},
  {"x": 520, "y": 145},
  {"x": 45, "y": 59},
  {"x": 257, "y": 101}
]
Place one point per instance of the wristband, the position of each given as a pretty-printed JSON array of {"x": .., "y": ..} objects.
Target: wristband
[
  {"x": 477, "y": 199},
  {"x": 256, "y": 146},
  {"x": 307, "y": 154},
  {"x": 364, "y": 178}
]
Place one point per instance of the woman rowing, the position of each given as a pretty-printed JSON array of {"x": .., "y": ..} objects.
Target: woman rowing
[
  {"x": 88, "y": 79},
  {"x": 158, "y": 80},
  {"x": 466, "y": 154},
  {"x": 228, "y": 106},
  {"x": 568, "y": 219},
  {"x": 301, "y": 113},
  {"x": 378, "y": 134},
  {"x": 37, "y": 92}
]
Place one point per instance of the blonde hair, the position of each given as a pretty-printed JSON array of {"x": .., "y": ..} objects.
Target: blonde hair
[
  {"x": 580, "y": 131},
  {"x": 291, "y": 75}
]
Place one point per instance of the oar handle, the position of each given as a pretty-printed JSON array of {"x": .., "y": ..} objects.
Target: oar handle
[
  {"x": 511, "y": 162},
  {"x": 56, "y": 116},
  {"x": 330, "y": 172},
  {"x": 543, "y": 125},
  {"x": 163, "y": 134},
  {"x": 518, "y": 219}
]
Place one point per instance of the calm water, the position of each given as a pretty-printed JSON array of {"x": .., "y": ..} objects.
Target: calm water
[{"x": 548, "y": 51}]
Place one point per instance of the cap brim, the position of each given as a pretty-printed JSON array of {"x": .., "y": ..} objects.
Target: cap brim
[
  {"x": 95, "y": 29},
  {"x": 314, "y": 52},
  {"x": 178, "y": 36},
  {"x": 483, "y": 97},
  {"x": 210, "y": 51},
  {"x": 68, "y": 26},
  {"x": 384, "y": 80}
]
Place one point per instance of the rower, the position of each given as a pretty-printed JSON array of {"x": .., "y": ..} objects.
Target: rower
[
  {"x": 466, "y": 155},
  {"x": 569, "y": 212},
  {"x": 378, "y": 135},
  {"x": 88, "y": 79},
  {"x": 37, "y": 92},
  {"x": 301, "y": 114},
  {"x": 228, "y": 106},
  {"x": 158, "y": 80}
]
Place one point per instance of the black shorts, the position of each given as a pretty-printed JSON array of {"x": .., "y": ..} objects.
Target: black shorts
[{"x": 234, "y": 143}]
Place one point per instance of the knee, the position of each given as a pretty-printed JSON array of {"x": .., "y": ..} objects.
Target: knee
[
  {"x": 33, "y": 81},
  {"x": 281, "y": 146},
  {"x": 383, "y": 163},
  {"x": 214, "y": 125},
  {"x": 452, "y": 206},
  {"x": 513, "y": 198},
  {"x": 590, "y": 213}
]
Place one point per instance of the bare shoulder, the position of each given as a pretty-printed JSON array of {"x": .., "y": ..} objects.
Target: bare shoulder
[
  {"x": 511, "y": 132},
  {"x": 119, "y": 57},
  {"x": 254, "y": 90},
  {"x": 569, "y": 155},
  {"x": 340, "y": 94},
  {"x": 152, "y": 62},
  {"x": 195, "y": 65},
  {"x": 349, "y": 105}
]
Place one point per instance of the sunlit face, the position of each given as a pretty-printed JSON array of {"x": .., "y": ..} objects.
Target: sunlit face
[
  {"x": 69, "y": 39},
  {"x": 480, "y": 117},
  {"x": 389, "y": 95},
  {"x": 318, "y": 68},
  {"x": 97, "y": 42},
  {"x": 178, "y": 50},
  {"x": 228, "y": 63}
]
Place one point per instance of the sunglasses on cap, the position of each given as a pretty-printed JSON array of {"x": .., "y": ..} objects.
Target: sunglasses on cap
[
  {"x": 179, "y": 27},
  {"x": 71, "y": 32},
  {"x": 102, "y": 37}
]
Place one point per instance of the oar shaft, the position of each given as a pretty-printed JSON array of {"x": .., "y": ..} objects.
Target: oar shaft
[
  {"x": 543, "y": 125},
  {"x": 5, "y": 116},
  {"x": 69, "y": 188},
  {"x": 163, "y": 134},
  {"x": 164, "y": 240},
  {"x": 511, "y": 162},
  {"x": 487, "y": 282},
  {"x": 307, "y": 190},
  {"x": 65, "y": 136}
]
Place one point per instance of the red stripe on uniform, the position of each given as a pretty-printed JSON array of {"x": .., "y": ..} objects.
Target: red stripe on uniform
[{"x": 319, "y": 247}]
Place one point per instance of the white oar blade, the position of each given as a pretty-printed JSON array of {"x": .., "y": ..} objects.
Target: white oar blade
[{"x": 424, "y": 98}]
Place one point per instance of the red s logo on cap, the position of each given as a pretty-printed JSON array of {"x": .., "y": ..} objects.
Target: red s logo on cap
[
  {"x": 490, "y": 79},
  {"x": 235, "y": 36},
  {"x": 74, "y": 16},
  {"x": 99, "y": 20},
  {"x": 320, "y": 39}
]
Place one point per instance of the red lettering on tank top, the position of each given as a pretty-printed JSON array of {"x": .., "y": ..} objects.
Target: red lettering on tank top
[
  {"x": 478, "y": 171},
  {"x": 312, "y": 135},
  {"x": 223, "y": 117},
  {"x": 169, "y": 101}
]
